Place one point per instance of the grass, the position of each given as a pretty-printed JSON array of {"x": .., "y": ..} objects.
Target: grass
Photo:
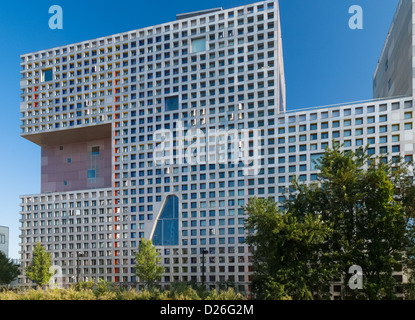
[{"x": 105, "y": 291}]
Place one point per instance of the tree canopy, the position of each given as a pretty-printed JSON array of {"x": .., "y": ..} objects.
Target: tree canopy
[
  {"x": 8, "y": 270},
  {"x": 39, "y": 269},
  {"x": 359, "y": 212},
  {"x": 148, "y": 268}
]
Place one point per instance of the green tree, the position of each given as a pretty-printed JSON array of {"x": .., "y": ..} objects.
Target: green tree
[
  {"x": 38, "y": 271},
  {"x": 148, "y": 268},
  {"x": 8, "y": 270},
  {"x": 288, "y": 260},
  {"x": 366, "y": 201}
]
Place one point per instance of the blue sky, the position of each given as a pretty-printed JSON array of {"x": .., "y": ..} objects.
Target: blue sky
[{"x": 325, "y": 62}]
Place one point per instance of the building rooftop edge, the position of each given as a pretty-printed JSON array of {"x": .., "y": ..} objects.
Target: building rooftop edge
[
  {"x": 138, "y": 29},
  {"x": 351, "y": 103},
  {"x": 197, "y": 13}
]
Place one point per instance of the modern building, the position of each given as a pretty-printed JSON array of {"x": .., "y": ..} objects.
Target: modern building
[
  {"x": 4, "y": 240},
  {"x": 166, "y": 132}
]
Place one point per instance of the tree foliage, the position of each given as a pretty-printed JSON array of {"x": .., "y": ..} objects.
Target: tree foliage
[
  {"x": 287, "y": 255},
  {"x": 358, "y": 213},
  {"x": 8, "y": 270},
  {"x": 148, "y": 268},
  {"x": 39, "y": 269}
]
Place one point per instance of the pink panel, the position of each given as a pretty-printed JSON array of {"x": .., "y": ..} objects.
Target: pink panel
[{"x": 65, "y": 167}]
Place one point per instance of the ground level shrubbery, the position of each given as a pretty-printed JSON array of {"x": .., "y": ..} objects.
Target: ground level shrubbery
[{"x": 105, "y": 291}]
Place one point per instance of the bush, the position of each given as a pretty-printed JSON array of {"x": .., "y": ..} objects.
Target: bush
[
  {"x": 181, "y": 291},
  {"x": 103, "y": 287},
  {"x": 83, "y": 285},
  {"x": 106, "y": 291},
  {"x": 229, "y": 294},
  {"x": 130, "y": 294}
]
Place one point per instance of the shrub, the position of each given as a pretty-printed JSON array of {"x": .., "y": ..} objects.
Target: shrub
[
  {"x": 103, "y": 287},
  {"x": 229, "y": 294},
  {"x": 181, "y": 291},
  {"x": 106, "y": 291}
]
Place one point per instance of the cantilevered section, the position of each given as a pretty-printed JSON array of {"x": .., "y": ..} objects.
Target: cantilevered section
[{"x": 66, "y": 136}]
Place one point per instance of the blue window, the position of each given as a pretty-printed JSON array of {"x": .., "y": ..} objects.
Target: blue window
[
  {"x": 167, "y": 228},
  {"x": 198, "y": 45},
  {"x": 91, "y": 174},
  {"x": 396, "y": 148},
  {"x": 47, "y": 75},
  {"x": 95, "y": 151},
  {"x": 314, "y": 160},
  {"x": 172, "y": 103}
]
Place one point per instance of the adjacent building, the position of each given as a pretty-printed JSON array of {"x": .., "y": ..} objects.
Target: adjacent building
[
  {"x": 4, "y": 240},
  {"x": 166, "y": 132}
]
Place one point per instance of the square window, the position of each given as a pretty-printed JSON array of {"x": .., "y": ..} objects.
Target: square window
[
  {"x": 171, "y": 103},
  {"x": 47, "y": 75},
  {"x": 198, "y": 45},
  {"x": 95, "y": 151},
  {"x": 383, "y": 149},
  {"x": 91, "y": 174}
]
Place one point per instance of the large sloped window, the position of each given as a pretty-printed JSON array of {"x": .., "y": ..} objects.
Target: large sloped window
[{"x": 167, "y": 228}]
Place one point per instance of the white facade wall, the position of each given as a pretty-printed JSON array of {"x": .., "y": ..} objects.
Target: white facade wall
[{"x": 234, "y": 83}]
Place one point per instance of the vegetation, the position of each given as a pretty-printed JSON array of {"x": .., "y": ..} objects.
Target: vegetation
[
  {"x": 360, "y": 212},
  {"x": 8, "y": 270},
  {"x": 288, "y": 259},
  {"x": 148, "y": 268},
  {"x": 39, "y": 269},
  {"x": 106, "y": 291}
]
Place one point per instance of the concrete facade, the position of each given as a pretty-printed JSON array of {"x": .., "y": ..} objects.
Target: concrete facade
[
  {"x": 394, "y": 72},
  {"x": 210, "y": 70},
  {"x": 211, "y": 81}
]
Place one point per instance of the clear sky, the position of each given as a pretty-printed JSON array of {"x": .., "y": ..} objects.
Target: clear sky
[{"x": 325, "y": 62}]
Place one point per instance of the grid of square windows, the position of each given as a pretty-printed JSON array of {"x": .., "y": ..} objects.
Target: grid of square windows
[{"x": 215, "y": 71}]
